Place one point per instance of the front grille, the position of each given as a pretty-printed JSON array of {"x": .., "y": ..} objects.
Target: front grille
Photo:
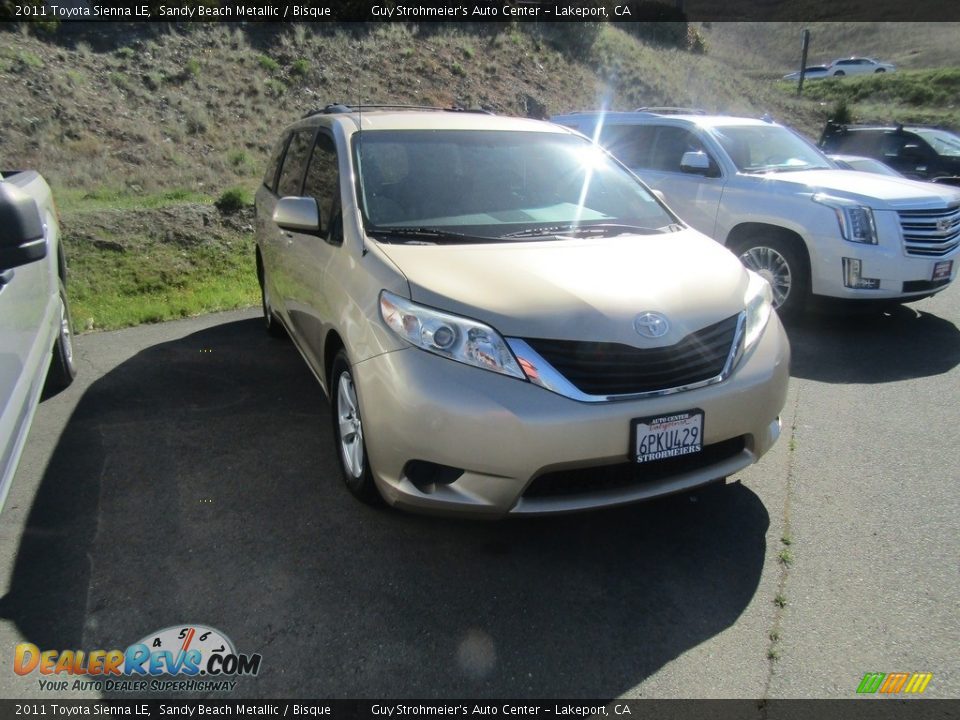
[
  {"x": 598, "y": 368},
  {"x": 930, "y": 233},
  {"x": 623, "y": 475}
]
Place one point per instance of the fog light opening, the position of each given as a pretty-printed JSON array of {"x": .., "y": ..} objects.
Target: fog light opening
[
  {"x": 427, "y": 476},
  {"x": 853, "y": 276}
]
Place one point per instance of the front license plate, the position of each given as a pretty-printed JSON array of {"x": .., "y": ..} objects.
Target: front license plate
[
  {"x": 942, "y": 270},
  {"x": 667, "y": 436}
]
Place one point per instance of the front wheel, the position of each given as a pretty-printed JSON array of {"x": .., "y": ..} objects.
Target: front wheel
[
  {"x": 780, "y": 264},
  {"x": 348, "y": 432},
  {"x": 839, "y": 73},
  {"x": 63, "y": 368}
]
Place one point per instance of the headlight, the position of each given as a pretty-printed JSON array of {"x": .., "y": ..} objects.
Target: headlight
[
  {"x": 449, "y": 336},
  {"x": 856, "y": 221},
  {"x": 758, "y": 301}
]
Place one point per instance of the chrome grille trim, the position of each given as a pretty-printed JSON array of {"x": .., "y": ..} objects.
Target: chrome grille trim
[
  {"x": 549, "y": 378},
  {"x": 921, "y": 235}
]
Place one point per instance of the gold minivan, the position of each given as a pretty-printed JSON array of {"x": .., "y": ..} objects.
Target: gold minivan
[{"x": 505, "y": 320}]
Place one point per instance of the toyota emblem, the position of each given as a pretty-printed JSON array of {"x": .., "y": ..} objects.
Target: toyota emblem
[
  {"x": 651, "y": 325},
  {"x": 943, "y": 224}
]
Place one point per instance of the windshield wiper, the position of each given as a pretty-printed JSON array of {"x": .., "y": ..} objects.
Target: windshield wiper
[
  {"x": 599, "y": 230},
  {"x": 427, "y": 233}
]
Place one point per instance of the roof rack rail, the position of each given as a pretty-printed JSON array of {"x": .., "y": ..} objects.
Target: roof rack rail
[
  {"x": 672, "y": 110},
  {"x": 335, "y": 108}
]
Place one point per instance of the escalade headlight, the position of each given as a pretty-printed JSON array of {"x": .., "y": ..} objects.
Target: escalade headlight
[
  {"x": 855, "y": 220},
  {"x": 449, "y": 336},
  {"x": 758, "y": 301}
]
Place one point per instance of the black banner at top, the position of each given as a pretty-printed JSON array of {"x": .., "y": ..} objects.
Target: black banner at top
[{"x": 428, "y": 11}]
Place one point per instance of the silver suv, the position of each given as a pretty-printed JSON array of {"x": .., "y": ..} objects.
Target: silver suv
[
  {"x": 786, "y": 209},
  {"x": 505, "y": 320}
]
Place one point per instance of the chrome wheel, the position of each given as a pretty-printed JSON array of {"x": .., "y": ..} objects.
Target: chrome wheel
[
  {"x": 772, "y": 267},
  {"x": 350, "y": 426}
]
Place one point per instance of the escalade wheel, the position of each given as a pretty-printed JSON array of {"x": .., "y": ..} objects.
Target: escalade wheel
[
  {"x": 779, "y": 263},
  {"x": 62, "y": 367},
  {"x": 348, "y": 432}
]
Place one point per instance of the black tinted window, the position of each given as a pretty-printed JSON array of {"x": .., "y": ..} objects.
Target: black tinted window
[
  {"x": 669, "y": 146},
  {"x": 630, "y": 144},
  {"x": 291, "y": 175},
  {"x": 322, "y": 181}
]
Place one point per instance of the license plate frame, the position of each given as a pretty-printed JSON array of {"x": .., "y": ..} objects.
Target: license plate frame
[
  {"x": 663, "y": 437},
  {"x": 942, "y": 270}
]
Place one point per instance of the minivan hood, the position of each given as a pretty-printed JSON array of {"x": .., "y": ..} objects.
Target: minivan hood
[
  {"x": 880, "y": 192},
  {"x": 579, "y": 289}
]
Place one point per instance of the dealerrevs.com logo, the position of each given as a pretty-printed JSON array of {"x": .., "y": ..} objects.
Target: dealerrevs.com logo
[{"x": 202, "y": 657}]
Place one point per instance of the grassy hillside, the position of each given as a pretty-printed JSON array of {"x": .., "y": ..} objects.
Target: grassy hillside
[{"x": 141, "y": 128}]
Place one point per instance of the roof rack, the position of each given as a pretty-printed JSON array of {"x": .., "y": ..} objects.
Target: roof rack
[
  {"x": 335, "y": 108},
  {"x": 672, "y": 110}
]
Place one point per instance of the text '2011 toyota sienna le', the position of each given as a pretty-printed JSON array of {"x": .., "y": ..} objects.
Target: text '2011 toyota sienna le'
[{"x": 505, "y": 320}]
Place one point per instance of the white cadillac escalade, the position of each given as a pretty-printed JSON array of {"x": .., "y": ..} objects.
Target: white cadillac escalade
[{"x": 808, "y": 227}]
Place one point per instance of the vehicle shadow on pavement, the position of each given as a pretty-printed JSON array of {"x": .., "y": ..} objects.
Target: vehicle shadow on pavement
[
  {"x": 196, "y": 483},
  {"x": 874, "y": 345}
]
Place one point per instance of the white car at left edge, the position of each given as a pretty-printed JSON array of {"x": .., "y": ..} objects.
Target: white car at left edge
[{"x": 36, "y": 349}]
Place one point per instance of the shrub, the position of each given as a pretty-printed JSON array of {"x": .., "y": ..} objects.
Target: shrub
[
  {"x": 268, "y": 63},
  {"x": 841, "y": 113},
  {"x": 300, "y": 67},
  {"x": 233, "y": 200}
]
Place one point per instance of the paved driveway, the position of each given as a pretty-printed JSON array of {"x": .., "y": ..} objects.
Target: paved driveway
[{"x": 189, "y": 477}]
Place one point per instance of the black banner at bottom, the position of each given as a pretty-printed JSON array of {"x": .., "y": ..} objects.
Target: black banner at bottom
[{"x": 873, "y": 708}]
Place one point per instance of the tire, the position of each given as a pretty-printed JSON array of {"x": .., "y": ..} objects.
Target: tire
[
  {"x": 270, "y": 322},
  {"x": 878, "y": 70},
  {"x": 348, "y": 433},
  {"x": 63, "y": 368},
  {"x": 781, "y": 264},
  {"x": 839, "y": 73}
]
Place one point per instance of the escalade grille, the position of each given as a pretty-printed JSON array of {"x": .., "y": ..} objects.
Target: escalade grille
[
  {"x": 930, "y": 233},
  {"x": 598, "y": 368}
]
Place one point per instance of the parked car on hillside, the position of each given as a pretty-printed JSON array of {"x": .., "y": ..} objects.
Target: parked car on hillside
[
  {"x": 786, "y": 210},
  {"x": 916, "y": 151},
  {"x": 35, "y": 340},
  {"x": 814, "y": 72},
  {"x": 505, "y": 320},
  {"x": 858, "y": 66}
]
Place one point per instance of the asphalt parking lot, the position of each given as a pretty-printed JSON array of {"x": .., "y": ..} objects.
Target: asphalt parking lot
[{"x": 189, "y": 476}]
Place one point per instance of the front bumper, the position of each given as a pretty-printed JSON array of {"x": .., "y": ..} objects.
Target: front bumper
[
  {"x": 901, "y": 276},
  {"x": 503, "y": 433}
]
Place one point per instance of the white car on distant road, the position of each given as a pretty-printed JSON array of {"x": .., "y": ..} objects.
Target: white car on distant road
[
  {"x": 859, "y": 66},
  {"x": 813, "y": 72}
]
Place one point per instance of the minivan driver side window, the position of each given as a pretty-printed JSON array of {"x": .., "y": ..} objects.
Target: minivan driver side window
[{"x": 323, "y": 179}]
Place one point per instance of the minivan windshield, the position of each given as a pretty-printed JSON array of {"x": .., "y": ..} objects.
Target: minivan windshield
[
  {"x": 490, "y": 185},
  {"x": 768, "y": 148}
]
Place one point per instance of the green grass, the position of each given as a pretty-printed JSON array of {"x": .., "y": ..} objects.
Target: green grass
[
  {"x": 919, "y": 96},
  {"x": 76, "y": 200},
  {"x": 112, "y": 289}
]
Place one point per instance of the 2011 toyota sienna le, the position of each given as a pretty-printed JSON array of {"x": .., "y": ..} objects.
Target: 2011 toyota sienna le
[{"x": 505, "y": 320}]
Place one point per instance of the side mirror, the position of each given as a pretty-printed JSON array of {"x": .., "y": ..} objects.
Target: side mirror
[
  {"x": 695, "y": 162},
  {"x": 299, "y": 214},
  {"x": 22, "y": 238}
]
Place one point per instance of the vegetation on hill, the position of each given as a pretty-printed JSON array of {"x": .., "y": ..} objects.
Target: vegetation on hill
[{"x": 154, "y": 137}]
